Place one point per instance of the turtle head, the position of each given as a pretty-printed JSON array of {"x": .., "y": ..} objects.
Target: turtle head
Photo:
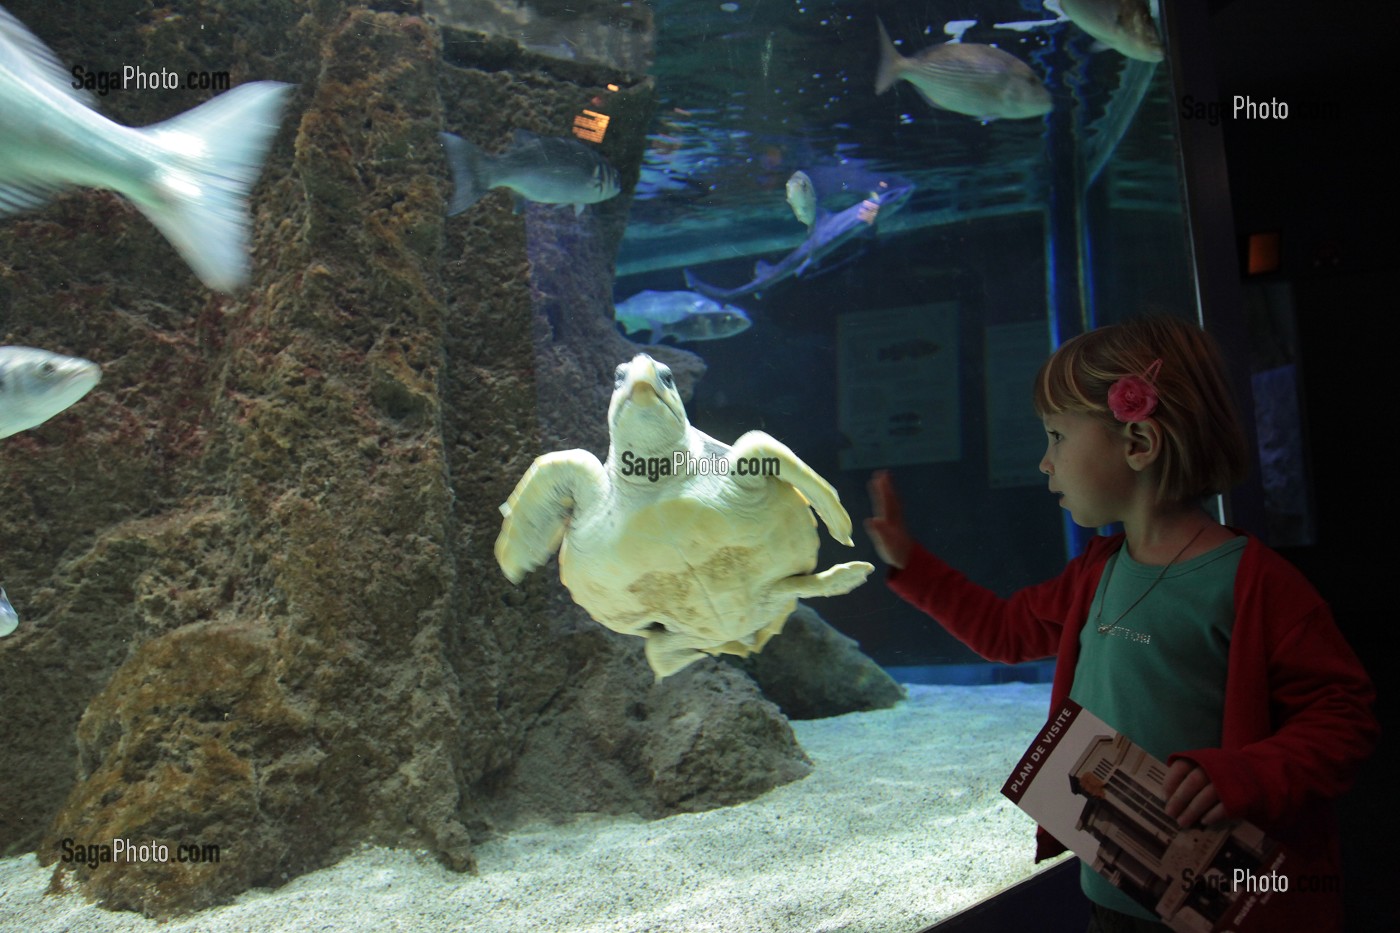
[{"x": 646, "y": 414}]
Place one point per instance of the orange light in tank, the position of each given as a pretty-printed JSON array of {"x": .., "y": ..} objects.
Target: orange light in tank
[
  {"x": 591, "y": 126},
  {"x": 1263, "y": 253}
]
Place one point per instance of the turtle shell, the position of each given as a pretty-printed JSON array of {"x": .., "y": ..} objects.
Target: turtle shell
[{"x": 696, "y": 557}]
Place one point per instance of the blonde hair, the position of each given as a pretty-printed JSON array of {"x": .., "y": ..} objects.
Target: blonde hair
[{"x": 1203, "y": 449}]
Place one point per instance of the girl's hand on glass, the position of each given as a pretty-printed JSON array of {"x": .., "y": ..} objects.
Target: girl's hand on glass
[{"x": 887, "y": 532}]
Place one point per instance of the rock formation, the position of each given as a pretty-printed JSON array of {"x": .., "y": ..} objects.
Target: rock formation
[{"x": 260, "y": 608}]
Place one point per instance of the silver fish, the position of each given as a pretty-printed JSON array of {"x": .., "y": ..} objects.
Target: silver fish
[
  {"x": 829, "y": 233},
  {"x": 965, "y": 77},
  {"x": 545, "y": 169},
  {"x": 802, "y": 198},
  {"x": 190, "y": 175},
  {"x": 9, "y": 619},
  {"x": 35, "y": 385},
  {"x": 682, "y": 316},
  {"x": 1123, "y": 25}
]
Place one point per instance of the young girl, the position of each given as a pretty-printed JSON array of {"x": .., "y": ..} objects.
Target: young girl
[{"x": 1193, "y": 639}]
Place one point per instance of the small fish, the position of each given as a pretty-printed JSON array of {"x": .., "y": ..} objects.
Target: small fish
[
  {"x": 802, "y": 198},
  {"x": 829, "y": 233},
  {"x": 9, "y": 619},
  {"x": 544, "y": 169},
  {"x": 965, "y": 77},
  {"x": 682, "y": 316},
  {"x": 1123, "y": 25},
  {"x": 190, "y": 175},
  {"x": 35, "y": 385}
]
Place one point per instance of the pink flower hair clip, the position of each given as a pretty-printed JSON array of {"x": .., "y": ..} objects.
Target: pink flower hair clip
[{"x": 1134, "y": 398}]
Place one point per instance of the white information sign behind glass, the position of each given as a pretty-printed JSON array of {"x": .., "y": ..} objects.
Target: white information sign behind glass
[{"x": 898, "y": 377}]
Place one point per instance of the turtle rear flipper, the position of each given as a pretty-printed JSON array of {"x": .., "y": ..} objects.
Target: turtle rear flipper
[
  {"x": 668, "y": 652},
  {"x": 758, "y": 447},
  {"x": 842, "y": 578},
  {"x": 537, "y": 512}
]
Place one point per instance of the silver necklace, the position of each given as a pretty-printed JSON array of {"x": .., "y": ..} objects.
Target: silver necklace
[{"x": 1098, "y": 619}]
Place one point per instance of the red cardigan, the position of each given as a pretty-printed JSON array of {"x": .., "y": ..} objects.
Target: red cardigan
[{"x": 1298, "y": 717}]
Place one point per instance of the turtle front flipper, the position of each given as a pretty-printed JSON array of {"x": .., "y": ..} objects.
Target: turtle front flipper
[
  {"x": 537, "y": 512},
  {"x": 764, "y": 456}
]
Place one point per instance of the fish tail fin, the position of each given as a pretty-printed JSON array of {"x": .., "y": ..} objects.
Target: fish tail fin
[
  {"x": 704, "y": 288},
  {"x": 635, "y": 325},
  {"x": 470, "y": 173},
  {"x": 214, "y": 154},
  {"x": 890, "y": 60}
]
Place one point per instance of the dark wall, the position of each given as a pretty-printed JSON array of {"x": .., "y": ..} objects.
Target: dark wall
[{"x": 1322, "y": 180}]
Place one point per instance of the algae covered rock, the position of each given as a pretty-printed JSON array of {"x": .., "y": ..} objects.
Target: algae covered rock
[
  {"x": 812, "y": 671},
  {"x": 722, "y": 744},
  {"x": 260, "y": 606}
]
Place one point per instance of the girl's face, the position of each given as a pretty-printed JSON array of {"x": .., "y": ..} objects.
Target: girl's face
[{"x": 1088, "y": 468}]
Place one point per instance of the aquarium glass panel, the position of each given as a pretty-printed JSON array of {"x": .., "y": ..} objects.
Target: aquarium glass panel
[{"x": 443, "y": 507}]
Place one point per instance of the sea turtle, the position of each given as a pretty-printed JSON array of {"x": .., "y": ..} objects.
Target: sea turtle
[{"x": 697, "y": 547}]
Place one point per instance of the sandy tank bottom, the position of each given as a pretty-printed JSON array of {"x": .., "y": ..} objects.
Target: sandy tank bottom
[{"x": 900, "y": 824}]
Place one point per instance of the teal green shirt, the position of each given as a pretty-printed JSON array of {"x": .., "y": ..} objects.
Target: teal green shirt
[{"x": 1158, "y": 674}]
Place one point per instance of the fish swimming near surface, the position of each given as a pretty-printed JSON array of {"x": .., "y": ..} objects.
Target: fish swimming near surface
[
  {"x": 802, "y": 198},
  {"x": 544, "y": 169},
  {"x": 1123, "y": 25},
  {"x": 682, "y": 316},
  {"x": 829, "y": 233},
  {"x": 35, "y": 385},
  {"x": 965, "y": 77},
  {"x": 190, "y": 175},
  {"x": 9, "y": 619}
]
